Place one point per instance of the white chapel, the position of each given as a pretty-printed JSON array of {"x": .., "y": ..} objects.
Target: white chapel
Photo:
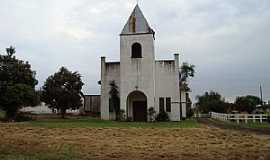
[{"x": 143, "y": 82}]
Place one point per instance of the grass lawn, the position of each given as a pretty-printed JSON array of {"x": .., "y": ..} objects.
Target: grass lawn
[
  {"x": 86, "y": 139},
  {"x": 13, "y": 152},
  {"x": 87, "y": 122},
  {"x": 256, "y": 125},
  {"x": 2, "y": 114},
  {"x": 250, "y": 124},
  {"x": 18, "y": 145}
]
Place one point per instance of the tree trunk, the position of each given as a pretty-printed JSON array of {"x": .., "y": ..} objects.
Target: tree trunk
[{"x": 63, "y": 113}]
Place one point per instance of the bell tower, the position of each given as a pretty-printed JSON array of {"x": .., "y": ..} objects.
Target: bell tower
[{"x": 137, "y": 59}]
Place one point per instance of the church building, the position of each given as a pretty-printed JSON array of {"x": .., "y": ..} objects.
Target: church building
[{"x": 142, "y": 81}]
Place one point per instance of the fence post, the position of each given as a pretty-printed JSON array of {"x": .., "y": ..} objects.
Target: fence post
[
  {"x": 246, "y": 118},
  {"x": 261, "y": 118},
  {"x": 254, "y": 118},
  {"x": 237, "y": 118}
]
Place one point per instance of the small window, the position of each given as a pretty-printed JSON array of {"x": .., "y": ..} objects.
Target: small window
[
  {"x": 161, "y": 104},
  {"x": 136, "y": 51},
  {"x": 168, "y": 104}
]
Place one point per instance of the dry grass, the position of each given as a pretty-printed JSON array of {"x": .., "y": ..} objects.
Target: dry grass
[{"x": 28, "y": 142}]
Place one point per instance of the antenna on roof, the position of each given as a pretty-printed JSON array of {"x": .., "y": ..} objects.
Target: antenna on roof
[{"x": 137, "y": 2}]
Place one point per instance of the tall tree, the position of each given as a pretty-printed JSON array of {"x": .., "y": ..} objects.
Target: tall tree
[
  {"x": 114, "y": 99},
  {"x": 247, "y": 103},
  {"x": 211, "y": 102},
  {"x": 62, "y": 91},
  {"x": 17, "y": 84},
  {"x": 186, "y": 71}
]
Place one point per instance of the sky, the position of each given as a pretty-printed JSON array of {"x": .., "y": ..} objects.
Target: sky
[{"x": 227, "y": 40}]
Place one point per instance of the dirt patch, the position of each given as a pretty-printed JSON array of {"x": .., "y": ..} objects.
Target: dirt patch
[{"x": 135, "y": 143}]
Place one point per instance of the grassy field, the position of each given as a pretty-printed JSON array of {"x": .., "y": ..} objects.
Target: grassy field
[
  {"x": 84, "y": 139},
  {"x": 13, "y": 152},
  {"x": 85, "y": 122},
  {"x": 256, "y": 125}
]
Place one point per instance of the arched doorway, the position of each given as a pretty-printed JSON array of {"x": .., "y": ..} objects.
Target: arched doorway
[{"x": 137, "y": 106}]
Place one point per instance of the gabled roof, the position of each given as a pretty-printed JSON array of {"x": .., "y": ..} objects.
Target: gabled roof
[{"x": 137, "y": 24}]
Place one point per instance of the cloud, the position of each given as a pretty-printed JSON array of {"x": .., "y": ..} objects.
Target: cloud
[{"x": 228, "y": 41}]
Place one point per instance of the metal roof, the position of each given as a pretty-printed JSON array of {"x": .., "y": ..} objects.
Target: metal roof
[{"x": 137, "y": 24}]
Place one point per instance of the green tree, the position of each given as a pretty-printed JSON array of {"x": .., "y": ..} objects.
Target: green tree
[
  {"x": 151, "y": 114},
  {"x": 186, "y": 71},
  {"x": 62, "y": 91},
  {"x": 247, "y": 103},
  {"x": 162, "y": 117},
  {"x": 114, "y": 99},
  {"x": 211, "y": 102},
  {"x": 17, "y": 84}
]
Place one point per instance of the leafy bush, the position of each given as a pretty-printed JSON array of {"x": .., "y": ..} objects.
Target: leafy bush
[
  {"x": 151, "y": 114},
  {"x": 129, "y": 119},
  {"x": 162, "y": 117},
  {"x": 122, "y": 115},
  {"x": 20, "y": 117}
]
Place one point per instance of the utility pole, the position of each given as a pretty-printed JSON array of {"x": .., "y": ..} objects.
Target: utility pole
[{"x": 261, "y": 93}]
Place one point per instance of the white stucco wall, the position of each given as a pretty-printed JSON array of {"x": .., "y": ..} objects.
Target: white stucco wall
[
  {"x": 153, "y": 78},
  {"x": 137, "y": 74},
  {"x": 167, "y": 80},
  {"x": 110, "y": 72}
]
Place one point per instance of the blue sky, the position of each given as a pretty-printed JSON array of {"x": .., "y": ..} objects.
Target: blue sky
[{"x": 228, "y": 41}]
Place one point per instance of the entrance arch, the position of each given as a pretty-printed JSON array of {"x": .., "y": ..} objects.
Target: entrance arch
[{"x": 137, "y": 106}]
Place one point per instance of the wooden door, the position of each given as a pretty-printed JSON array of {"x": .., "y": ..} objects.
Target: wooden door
[{"x": 140, "y": 111}]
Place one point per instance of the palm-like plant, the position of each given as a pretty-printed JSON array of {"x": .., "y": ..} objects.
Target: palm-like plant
[
  {"x": 115, "y": 100},
  {"x": 186, "y": 71}
]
